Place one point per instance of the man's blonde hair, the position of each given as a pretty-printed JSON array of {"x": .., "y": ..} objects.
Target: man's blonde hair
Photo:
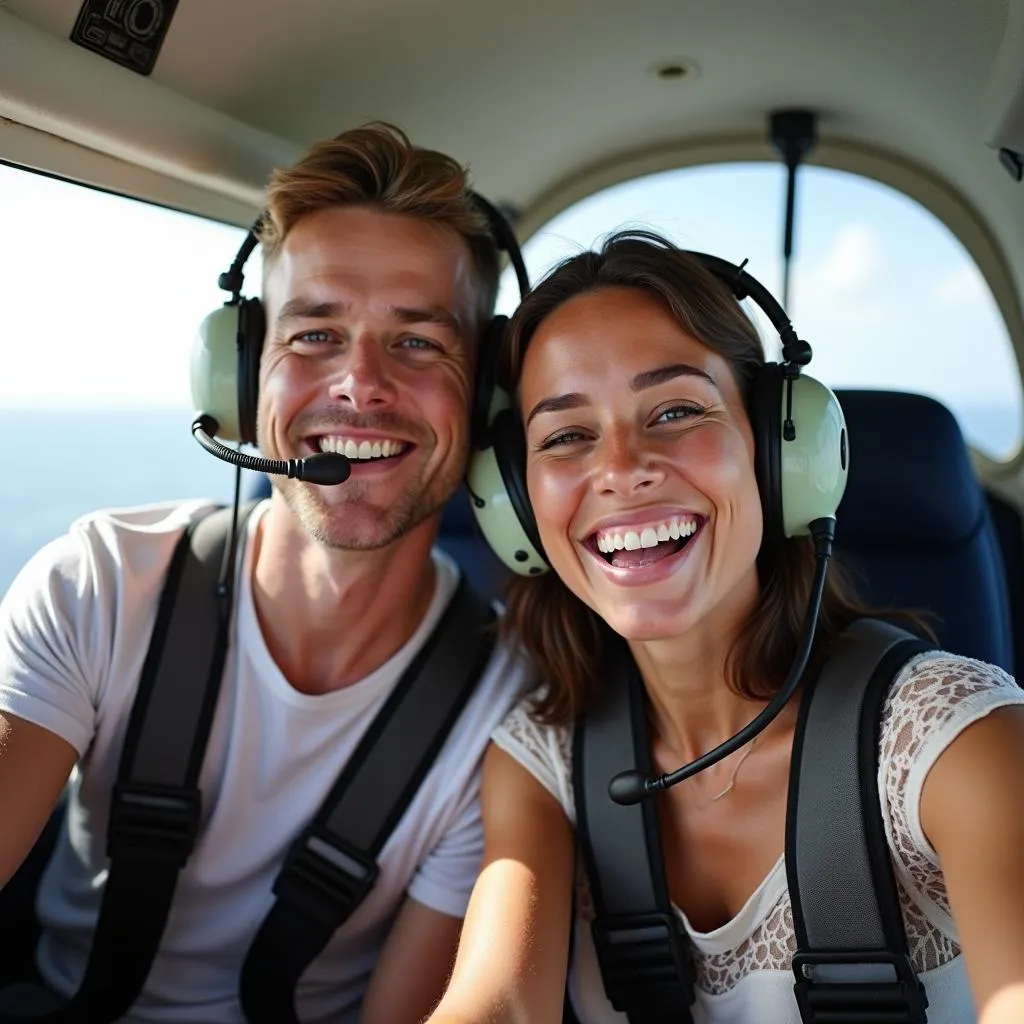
[{"x": 376, "y": 165}]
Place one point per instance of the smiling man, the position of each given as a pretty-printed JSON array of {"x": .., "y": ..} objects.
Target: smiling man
[{"x": 379, "y": 275}]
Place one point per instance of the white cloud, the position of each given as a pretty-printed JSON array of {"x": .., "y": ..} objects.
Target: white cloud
[
  {"x": 961, "y": 286},
  {"x": 849, "y": 266}
]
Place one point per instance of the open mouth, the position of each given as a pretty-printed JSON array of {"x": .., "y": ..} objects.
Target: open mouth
[
  {"x": 376, "y": 452},
  {"x": 636, "y": 547}
]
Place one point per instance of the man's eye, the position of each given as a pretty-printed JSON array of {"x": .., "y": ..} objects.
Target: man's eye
[
  {"x": 314, "y": 337},
  {"x": 419, "y": 343}
]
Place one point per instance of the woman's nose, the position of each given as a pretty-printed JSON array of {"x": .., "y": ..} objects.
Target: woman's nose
[{"x": 624, "y": 466}]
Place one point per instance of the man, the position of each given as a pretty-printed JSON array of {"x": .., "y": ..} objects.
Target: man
[{"x": 379, "y": 274}]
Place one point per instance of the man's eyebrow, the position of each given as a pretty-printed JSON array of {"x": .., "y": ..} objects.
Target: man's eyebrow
[
  {"x": 558, "y": 403},
  {"x": 428, "y": 315},
  {"x": 309, "y": 309},
  {"x": 652, "y": 378}
]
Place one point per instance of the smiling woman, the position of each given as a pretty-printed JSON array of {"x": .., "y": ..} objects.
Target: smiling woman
[
  {"x": 647, "y": 409},
  {"x": 620, "y": 398}
]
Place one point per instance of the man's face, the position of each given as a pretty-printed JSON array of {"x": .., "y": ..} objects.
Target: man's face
[{"x": 370, "y": 351}]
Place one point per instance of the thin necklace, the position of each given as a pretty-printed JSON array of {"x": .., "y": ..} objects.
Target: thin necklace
[{"x": 732, "y": 781}]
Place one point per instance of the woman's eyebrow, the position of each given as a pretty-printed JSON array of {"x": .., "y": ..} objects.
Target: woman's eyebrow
[
  {"x": 652, "y": 378},
  {"x": 558, "y": 403},
  {"x": 642, "y": 381}
]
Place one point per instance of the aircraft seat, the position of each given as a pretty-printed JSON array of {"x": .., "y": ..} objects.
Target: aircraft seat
[
  {"x": 1009, "y": 528},
  {"x": 914, "y": 525}
]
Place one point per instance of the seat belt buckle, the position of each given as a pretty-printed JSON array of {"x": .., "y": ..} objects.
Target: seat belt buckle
[
  {"x": 327, "y": 878},
  {"x": 873, "y": 986},
  {"x": 645, "y": 962},
  {"x": 153, "y": 822}
]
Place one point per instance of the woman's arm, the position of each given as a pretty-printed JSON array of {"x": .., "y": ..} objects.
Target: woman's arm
[
  {"x": 514, "y": 949},
  {"x": 972, "y": 812}
]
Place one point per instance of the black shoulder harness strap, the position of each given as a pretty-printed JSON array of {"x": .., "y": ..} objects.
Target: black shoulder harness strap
[
  {"x": 852, "y": 962},
  {"x": 332, "y": 865},
  {"x": 642, "y": 948},
  {"x": 157, "y": 806}
]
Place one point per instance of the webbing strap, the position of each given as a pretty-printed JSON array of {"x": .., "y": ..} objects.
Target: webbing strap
[
  {"x": 642, "y": 948},
  {"x": 332, "y": 866},
  {"x": 852, "y": 961},
  {"x": 156, "y": 806}
]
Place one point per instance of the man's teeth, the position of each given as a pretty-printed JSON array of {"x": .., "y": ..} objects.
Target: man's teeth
[
  {"x": 362, "y": 449},
  {"x": 647, "y": 536}
]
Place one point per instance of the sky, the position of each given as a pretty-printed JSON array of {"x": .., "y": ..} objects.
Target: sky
[{"x": 103, "y": 295}]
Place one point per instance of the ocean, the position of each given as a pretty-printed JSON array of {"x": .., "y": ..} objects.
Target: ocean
[{"x": 56, "y": 465}]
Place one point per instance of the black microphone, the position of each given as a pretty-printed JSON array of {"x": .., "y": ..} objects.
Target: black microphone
[
  {"x": 632, "y": 786},
  {"x": 323, "y": 468}
]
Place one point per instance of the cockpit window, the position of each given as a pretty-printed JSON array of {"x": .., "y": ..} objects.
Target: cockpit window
[
  {"x": 885, "y": 293},
  {"x": 102, "y": 298}
]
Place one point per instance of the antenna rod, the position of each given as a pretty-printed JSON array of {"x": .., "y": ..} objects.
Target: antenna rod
[{"x": 794, "y": 134}]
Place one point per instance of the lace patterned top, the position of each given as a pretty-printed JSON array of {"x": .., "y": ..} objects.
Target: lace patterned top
[{"x": 743, "y": 969}]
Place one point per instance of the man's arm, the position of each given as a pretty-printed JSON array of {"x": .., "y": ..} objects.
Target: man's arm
[
  {"x": 51, "y": 645},
  {"x": 417, "y": 957},
  {"x": 413, "y": 966},
  {"x": 34, "y": 767}
]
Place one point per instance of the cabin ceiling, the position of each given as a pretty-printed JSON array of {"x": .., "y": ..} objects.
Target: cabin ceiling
[
  {"x": 534, "y": 93},
  {"x": 530, "y": 91}
]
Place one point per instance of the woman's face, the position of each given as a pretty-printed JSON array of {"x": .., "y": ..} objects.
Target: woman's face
[{"x": 640, "y": 466}]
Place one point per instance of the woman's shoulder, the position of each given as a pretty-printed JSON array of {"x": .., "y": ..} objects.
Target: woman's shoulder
[
  {"x": 933, "y": 699},
  {"x": 938, "y": 692},
  {"x": 544, "y": 750}
]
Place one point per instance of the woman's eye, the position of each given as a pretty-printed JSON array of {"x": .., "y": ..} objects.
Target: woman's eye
[
  {"x": 559, "y": 440},
  {"x": 680, "y": 412}
]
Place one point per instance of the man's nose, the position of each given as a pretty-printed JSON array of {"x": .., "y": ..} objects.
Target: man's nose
[{"x": 364, "y": 380}]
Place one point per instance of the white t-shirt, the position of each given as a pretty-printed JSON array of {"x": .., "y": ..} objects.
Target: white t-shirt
[
  {"x": 744, "y": 969},
  {"x": 74, "y": 629}
]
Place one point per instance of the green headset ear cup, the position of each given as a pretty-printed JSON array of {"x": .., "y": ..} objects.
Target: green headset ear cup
[
  {"x": 251, "y": 329},
  {"x": 510, "y": 449},
  {"x": 804, "y": 478},
  {"x": 814, "y": 465},
  {"x": 497, "y": 488},
  {"x": 213, "y": 371},
  {"x": 765, "y": 408}
]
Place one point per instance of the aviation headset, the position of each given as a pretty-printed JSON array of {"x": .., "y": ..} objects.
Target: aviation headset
[
  {"x": 801, "y": 457},
  {"x": 225, "y": 360}
]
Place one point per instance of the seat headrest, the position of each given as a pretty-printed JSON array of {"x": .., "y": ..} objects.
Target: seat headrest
[
  {"x": 914, "y": 525},
  {"x": 911, "y": 480}
]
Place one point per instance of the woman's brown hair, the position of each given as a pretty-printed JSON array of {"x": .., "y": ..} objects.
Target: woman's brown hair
[{"x": 564, "y": 637}]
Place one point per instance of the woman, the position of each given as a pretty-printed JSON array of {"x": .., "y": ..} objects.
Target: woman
[{"x": 632, "y": 371}]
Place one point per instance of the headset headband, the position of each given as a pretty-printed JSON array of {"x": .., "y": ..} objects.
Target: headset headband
[{"x": 795, "y": 351}]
